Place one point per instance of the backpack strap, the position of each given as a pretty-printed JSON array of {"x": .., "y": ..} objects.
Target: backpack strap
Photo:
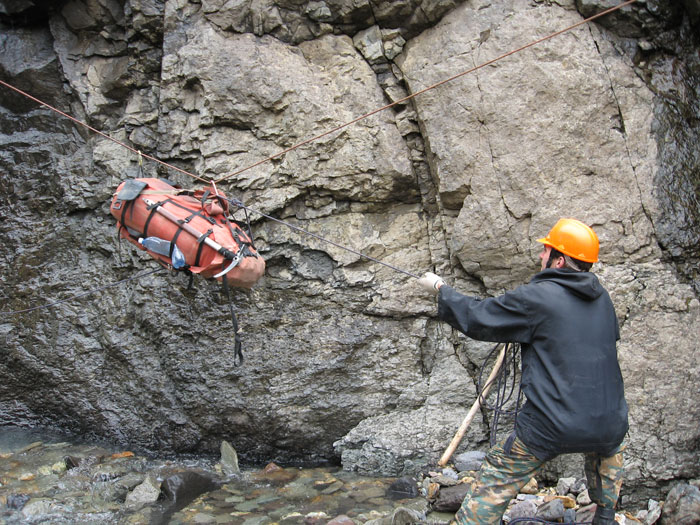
[
  {"x": 152, "y": 208},
  {"x": 200, "y": 241},
  {"x": 237, "y": 352},
  {"x": 242, "y": 238}
]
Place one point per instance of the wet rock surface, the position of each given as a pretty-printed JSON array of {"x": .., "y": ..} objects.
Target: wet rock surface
[
  {"x": 58, "y": 481},
  {"x": 344, "y": 358},
  {"x": 566, "y": 502},
  {"x": 63, "y": 482}
]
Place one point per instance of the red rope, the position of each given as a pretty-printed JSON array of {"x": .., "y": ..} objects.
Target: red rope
[
  {"x": 337, "y": 128},
  {"x": 81, "y": 123},
  {"x": 445, "y": 81}
]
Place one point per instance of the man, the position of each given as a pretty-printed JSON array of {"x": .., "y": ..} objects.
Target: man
[{"x": 566, "y": 325}]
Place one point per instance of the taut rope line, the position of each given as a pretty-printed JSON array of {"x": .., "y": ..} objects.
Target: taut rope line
[
  {"x": 337, "y": 128},
  {"x": 102, "y": 134},
  {"x": 433, "y": 86},
  {"x": 326, "y": 133},
  {"x": 306, "y": 232}
]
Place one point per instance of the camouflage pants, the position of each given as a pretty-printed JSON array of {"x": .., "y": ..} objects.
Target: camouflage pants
[{"x": 509, "y": 465}]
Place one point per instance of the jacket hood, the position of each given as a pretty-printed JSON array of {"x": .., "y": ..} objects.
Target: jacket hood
[{"x": 583, "y": 284}]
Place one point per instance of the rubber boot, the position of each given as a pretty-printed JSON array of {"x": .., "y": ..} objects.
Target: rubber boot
[{"x": 604, "y": 516}]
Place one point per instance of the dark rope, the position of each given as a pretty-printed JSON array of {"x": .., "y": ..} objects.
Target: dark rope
[
  {"x": 323, "y": 239},
  {"x": 504, "y": 388},
  {"x": 237, "y": 345},
  {"x": 504, "y": 393},
  {"x": 83, "y": 294}
]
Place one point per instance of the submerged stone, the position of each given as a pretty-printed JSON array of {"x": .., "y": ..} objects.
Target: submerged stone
[
  {"x": 275, "y": 474},
  {"x": 17, "y": 501},
  {"x": 405, "y": 487},
  {"x": 38, "y": 506},
  {"x": 146, "y": 492}
]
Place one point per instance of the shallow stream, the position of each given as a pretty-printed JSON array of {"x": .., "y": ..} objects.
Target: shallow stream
[{"x": 44, "y": 479}]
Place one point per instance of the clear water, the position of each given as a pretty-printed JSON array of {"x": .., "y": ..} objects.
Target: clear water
[{"x": 46, "y": 479}]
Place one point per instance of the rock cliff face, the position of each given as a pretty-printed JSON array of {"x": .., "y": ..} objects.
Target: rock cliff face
[{"x": 344, "y": 357}]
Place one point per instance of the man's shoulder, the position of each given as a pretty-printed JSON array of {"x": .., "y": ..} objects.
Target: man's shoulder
[{"x": 583, "y": 284}]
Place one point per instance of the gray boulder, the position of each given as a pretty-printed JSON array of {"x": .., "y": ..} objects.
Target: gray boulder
[{"x": 682, "y": 506}]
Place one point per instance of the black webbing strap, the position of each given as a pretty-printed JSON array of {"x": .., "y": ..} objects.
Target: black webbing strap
[
  {"x": 237, "y": 352},
  {"x": 232, "y": 230},
  {"x": 120, "y": 227},
  {"x": 204, "y": 197},
  {"x": 179, "y": 231},
  {"x": 239, "y": 204},
  {"x": 127, "y": 206},
  {"x": 200, "y": 241},
  {"x": 194, "y": 213},
  {"x": 152, "y": 209},
  {"x": 190, "y": 217},
  {"x": 173, "y": 241},
  {"x": 250, "y": 229},
  {"x": 242, "y": 243}
]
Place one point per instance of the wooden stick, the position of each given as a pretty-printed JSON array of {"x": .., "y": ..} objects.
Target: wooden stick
[{"x": 472, "y": 412}]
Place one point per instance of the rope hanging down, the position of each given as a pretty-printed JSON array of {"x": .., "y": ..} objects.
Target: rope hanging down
[{"x": 504, "y": 388}]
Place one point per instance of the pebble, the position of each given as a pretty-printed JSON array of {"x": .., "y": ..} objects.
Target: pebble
[
  {"x": 146, "y": 492},
  {"x": 445, "y": 481},
  {"x": 405, "y": 487},
  {"x": 450, "y": 473},
  {"x": 564, "y": 485},
  {"x": 523, "y": 509},
  {"x": 530, "y": 487},
  {"x": 335, "y": 487},
  {"x": 568, "y": 501},
  {"x": 341, "y": 520},
  {"x": 64, "y": 480},
  {"x": 229, "y": 459},
  {"x": 583, "y": 498},
  {"x": 551, "y": 510},
  {"x": 469, "y": 461},
  {"x": 204, "y": 518},
  {"x": 525, "y": 497},
  {"x": 108, "y": 486}
]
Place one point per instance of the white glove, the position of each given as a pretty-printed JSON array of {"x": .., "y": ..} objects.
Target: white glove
[{"x": 431, "y": 282}]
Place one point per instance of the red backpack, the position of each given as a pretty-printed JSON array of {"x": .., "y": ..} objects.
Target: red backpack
[{"x": 195, "y": 222}]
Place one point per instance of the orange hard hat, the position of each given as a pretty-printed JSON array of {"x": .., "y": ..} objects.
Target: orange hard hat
[{"x": 573, "y": 238}]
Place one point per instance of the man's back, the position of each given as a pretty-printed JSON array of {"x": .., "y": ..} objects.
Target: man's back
[{"x": 571, "y": 376}]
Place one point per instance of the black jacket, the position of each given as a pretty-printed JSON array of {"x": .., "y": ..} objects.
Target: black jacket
[{"x": 567, "y": 327}]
